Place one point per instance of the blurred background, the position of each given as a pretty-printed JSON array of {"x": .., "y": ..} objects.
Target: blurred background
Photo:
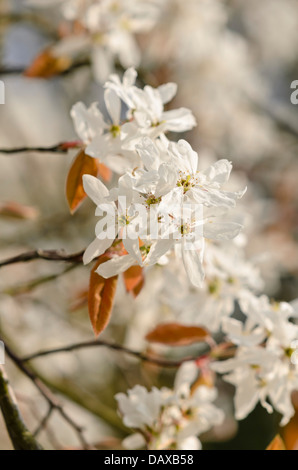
[{"x": 234, "y": 62}]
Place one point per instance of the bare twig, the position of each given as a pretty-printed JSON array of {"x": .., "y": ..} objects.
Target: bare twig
[
  {"x": 20, "y": 437},
  {"x": 44, "y": 421},
  {"x": 283, "y": 115},
  {"x": 62, "y": 147},
  {"x": 54, "y": 148},
  {"x": 116, "y": 347},
  {"x": 21, "y": 70},
  {"x": 27, "y": 287},
  {"x": 7, "y": 19},
  {"x": 49, "y": 255},
  {"x": 47, "y": 394}
]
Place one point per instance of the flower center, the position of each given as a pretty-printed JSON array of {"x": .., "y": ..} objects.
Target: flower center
[
  {"x": 123, "y": 220},
  {"x": 115, "y": 130},
  {"x": 151, "y": 199},
  {"x": 289, "y": 352},
  {"x": 185, "y": 229},
  {"x": 186, "y": 182},
  {"x": 214, "y": 286}
]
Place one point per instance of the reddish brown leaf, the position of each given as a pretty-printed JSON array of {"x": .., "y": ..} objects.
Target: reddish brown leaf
[
  {"x": 134, "y": 279},
  {"x": 79, "y": 301},
  {"x": 276, "y": 444},
  {"x": 46, "y": 65},
  {"x": 17, "y": 210},
  {"x": 82, "y": 164},
  {"x": 101, "y": 298},
  {"x": 174, "y": 334},
  {"x": 289, "y": 433},
  {"x": 206, "y": 378},
  {"x": 136, "y": 290},
  {"x": 104, "y": 172}
]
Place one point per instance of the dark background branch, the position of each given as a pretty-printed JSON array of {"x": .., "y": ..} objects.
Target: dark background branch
[
  {"x": 115, "y": 347},
  {"x": 49, "y": 255},
  {"x": 20, "y": 436},
  {"x": 46, "y": 393}
]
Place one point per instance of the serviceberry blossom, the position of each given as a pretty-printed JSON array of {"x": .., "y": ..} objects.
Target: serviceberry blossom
[
  {"x": 126, "y": 220},
  {"x": 114, "y": 140},
  {"x": 111, "y": 141},
  {"x": 264, "y": 368},
  {"x": 146, "y": 105},
  {"x": 170, "y": 419},
  {"x": 169, "y": 218},
  {"x": 229, "y": 275},
  {"x": 107, "y": 30},
  {"x": 172, "y": 209}
]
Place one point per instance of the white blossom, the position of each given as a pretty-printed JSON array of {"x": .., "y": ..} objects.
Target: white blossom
[
  {"x": 147, "y": 106},
  {"x": 108, "y": 29},
  {"x": 170, "y": 418},
  {"x": 264, "y": 368}
]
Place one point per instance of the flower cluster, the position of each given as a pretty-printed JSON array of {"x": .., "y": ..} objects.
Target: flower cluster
[
  {"x": 229, "y": 276},
  {"x": 265, "y": 366},
  {"x": 164, "y": 201},
  {"x": 170, "y": 219},
  {"x": 170, "y": 419},
  {"x": 163, "y": 210},
  {"x": 104, "y": 29},
  {"x": 114, "y": 140}
]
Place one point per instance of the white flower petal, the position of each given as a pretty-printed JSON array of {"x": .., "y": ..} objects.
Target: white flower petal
[
  {"x": 219, "y": 172},
  {"x": 157, "y": 249},
  {"x": 221, "y": 230},
  {"x": 88, "y": 122},
  {"x": 167, "y": 92},
  {"x": 95, "y": 249},
  {"x": 134, "y": 442},
  {"x": 115, "y": 266},
  {"x": 179, "y": 120},
  {"x": 187, "y": 374},
  {"x": 193, "y": 266},
  {"x": 129, "y": 77},
  {"x": 113, "y": 105},
  {"x": 95, "y": 189},
  {"x": 132, "y": 247},
  {"x": 99, "y": 147},
  {"x": 148, "y": 153},
  {"x": 190, "y": 443}
]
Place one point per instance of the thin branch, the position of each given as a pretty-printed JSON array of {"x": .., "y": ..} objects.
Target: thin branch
[
  {"x": 27, "y": 287},
  {"x": 21, "y": 70},
  {"x": 87, "y": 400},
  {"x": 49, "y": 255},
  {"x": 54, "y": 148},
  {"x": 62, "y": 147},
  {"x": 7, "y": 19},
  {"x": 43, "y": 423},
  {"x": 47, "y": 394},
  {"x": 20, "y": 437},
  {"x": 116, "y": 347},
  {"x": 283, "y": 115},
  {"x": 12, "y": 71}
]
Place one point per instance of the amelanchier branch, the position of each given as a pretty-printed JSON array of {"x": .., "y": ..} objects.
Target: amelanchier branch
[
  {"x": 27, "y": 287},
  {"x": 52, "y": 401},
  {"x": 48, "y": 255},
  {"x": 20, "y": 436},
  {"x": 116, "y": 347},
  {"x": 62, "y": 147},
  {"x": 69, "y": 70},
  {"x": 10, "y": 18}
]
